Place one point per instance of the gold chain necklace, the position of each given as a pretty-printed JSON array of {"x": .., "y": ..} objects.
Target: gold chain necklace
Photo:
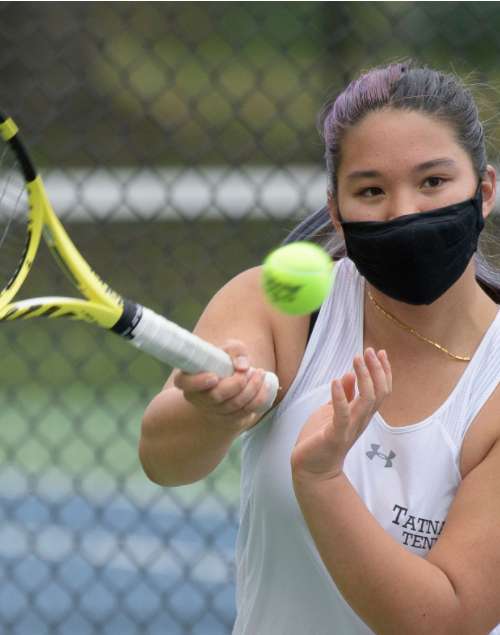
[{"x": 414, "y": 332}]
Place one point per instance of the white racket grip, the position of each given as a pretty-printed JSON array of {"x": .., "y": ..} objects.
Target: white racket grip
[{"x": 181, "y": 349}]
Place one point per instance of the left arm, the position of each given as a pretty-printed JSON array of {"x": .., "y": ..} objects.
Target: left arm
[
  {"x": 456, "y": 589},
  {"x": 391, "y": 589}
]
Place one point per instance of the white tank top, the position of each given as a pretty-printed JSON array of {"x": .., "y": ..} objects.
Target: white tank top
[{"x": 407, "y": 476}]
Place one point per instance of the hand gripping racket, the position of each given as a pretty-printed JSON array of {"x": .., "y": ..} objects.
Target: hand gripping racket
[{"x": 25, "y": 215}]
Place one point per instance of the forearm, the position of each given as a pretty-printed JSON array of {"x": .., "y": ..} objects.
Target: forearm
[
  {"x": 391, "y": 589},
  {"x": 178, "y": 446}
]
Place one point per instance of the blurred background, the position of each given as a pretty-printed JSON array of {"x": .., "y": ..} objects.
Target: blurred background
[{"x": 178, "y": 143}]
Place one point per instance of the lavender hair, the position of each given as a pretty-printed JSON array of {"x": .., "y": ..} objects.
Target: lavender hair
[{"x": 411, "y": 87}]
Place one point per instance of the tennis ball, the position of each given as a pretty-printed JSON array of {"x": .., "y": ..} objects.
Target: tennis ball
[{"x": 297, "y": 277}]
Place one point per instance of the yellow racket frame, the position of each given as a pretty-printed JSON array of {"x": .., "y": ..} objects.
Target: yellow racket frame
[
  {"x": 143, "y": 328},
  {"x": 102, "y": 305}
]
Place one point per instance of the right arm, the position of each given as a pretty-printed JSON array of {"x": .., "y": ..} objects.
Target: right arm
[{"x": 188, "y": 428}]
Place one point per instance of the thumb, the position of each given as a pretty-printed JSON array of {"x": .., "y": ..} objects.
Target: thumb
[{"x": 238, "y": 352}]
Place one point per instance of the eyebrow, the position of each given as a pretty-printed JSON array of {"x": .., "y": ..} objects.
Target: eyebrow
[{"x": 421, "y": 167}]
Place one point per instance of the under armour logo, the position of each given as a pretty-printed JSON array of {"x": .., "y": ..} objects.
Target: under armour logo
[{"x": 386, "y": 457}]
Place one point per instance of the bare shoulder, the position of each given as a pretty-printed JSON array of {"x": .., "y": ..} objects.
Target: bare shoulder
[
  {"x": 467, "y": 550},
  {"x": 239, "y": 310},
  {"x": 483, "y": 434}
]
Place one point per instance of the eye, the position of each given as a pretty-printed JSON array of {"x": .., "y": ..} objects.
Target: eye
[
  {"x": 370, "y": 192},
  {"x": 433, "y": 181}
]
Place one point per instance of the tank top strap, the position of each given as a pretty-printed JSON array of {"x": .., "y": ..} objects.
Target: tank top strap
[
  {"x": 476, "y": 385},
  {"x": 336, "y": 335}
]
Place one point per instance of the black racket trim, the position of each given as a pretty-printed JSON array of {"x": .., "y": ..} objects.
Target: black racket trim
[
  {"x": 132, "y": 313},
  {"x": 27, "y": 167}
]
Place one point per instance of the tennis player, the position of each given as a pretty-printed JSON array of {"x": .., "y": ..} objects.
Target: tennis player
[{"x": 370, "y": 494}]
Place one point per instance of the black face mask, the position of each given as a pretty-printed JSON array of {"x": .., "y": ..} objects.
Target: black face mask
[{"x": 417, "y": 257}]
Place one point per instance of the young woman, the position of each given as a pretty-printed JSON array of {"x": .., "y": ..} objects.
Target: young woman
[{"x": 371, "y": 492}]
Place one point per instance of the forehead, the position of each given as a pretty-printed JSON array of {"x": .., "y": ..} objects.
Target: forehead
[{"x": 390, "y": 140}]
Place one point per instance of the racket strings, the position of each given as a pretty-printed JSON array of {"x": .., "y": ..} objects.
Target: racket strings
[{"x": 14, "y": 215}]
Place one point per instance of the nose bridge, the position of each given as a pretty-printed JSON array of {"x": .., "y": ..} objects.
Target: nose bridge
[{"x": 402, "y": 201}]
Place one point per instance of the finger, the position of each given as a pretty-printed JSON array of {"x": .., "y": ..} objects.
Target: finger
[
  {"x": 365, "y": 382},
  {"x": 255, "y": 394},
  {"x": 386, "y": 365},
  {"x": 238, "y": 353},
  {"x": 349, "y": 383},
  {"x": 260, "y": 403},
  {"x": 341, "y": 410},
  {"x": 229, "y": 387},
  {"x": 377, "y": 372},
  {"x": 199, "y": 382},
  {"x": 365, "y": 405},
  {"x": 246, "y": 398}
]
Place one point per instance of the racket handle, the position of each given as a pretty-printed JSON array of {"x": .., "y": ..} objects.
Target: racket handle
[{"x": 181, "y": 349}]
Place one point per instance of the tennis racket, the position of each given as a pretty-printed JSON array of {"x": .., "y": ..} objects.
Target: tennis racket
[{"x": 25, "y": 216}]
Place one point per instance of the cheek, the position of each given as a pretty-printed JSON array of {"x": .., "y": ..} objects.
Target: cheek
[
  {"x": 354, "y": 208},
  {"x": 441, "y": 199}
]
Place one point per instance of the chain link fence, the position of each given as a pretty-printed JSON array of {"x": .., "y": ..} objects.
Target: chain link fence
[{"x": 178, "y": 143}]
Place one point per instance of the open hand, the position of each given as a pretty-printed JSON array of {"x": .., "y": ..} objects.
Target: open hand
[{"x": 332, "y": 430}]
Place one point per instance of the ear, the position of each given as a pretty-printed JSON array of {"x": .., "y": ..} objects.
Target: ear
[
  {"x": 489, "y": 190},
  {"x": 334, "y": 214}
]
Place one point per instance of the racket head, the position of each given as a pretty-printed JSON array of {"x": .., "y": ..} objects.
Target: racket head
[
  {"x": 25, "y": 216},
  {"x": 21, "y": 214}
]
